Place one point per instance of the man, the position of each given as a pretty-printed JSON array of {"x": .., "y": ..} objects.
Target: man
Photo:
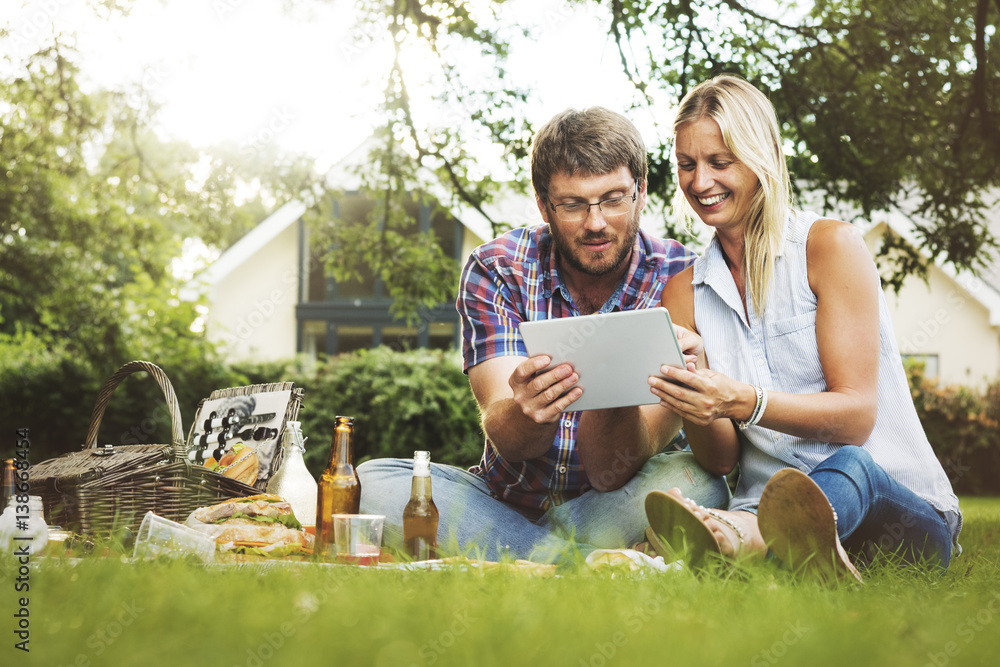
[{"x": 551, "y": 481}]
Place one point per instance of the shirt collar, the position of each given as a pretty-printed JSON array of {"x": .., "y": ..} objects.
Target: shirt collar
[
  {"x": 639, "y": 264},
  {"x": 711, "y": 264}
]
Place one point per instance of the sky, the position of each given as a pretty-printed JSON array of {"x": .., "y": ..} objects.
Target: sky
[{"x": 253, "y": 72}]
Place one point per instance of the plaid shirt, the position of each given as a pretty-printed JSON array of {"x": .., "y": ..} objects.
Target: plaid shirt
[{"x": 513, "y": 279}]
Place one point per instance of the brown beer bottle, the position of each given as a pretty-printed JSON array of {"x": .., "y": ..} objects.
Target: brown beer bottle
[
  {"x": 420, "y": 516},
  {"x": 339, "y": 489},
  {"x": 9, "y": 485}
]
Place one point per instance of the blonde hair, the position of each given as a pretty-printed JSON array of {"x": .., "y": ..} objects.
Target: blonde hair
[{"x": 750, "y": 130}]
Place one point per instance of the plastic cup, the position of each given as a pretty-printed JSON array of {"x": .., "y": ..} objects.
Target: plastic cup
[
  {"x": 159, "y": 537},
  {"x": 357, "y": 538}
]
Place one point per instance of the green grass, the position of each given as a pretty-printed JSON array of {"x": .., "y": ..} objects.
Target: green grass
[{"x": 103, "y": 611}]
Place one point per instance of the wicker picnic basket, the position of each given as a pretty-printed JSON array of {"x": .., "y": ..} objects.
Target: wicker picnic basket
[{"x": 105, "y": 488}]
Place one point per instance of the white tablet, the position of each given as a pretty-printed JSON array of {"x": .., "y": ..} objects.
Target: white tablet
[{"x": 614, "y": 353}]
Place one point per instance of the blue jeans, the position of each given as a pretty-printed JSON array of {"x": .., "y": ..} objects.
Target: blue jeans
[
  {"x": 473, "y": 520},
  {"x": 875, "y": 513}
]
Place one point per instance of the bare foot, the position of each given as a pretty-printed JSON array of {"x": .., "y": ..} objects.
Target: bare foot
[{"x": 736, "y": 532}]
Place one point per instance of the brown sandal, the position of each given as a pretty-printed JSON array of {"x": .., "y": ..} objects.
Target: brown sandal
[
  {"x": 799, "y": 526},
  {"x": 675, "y": 532}
]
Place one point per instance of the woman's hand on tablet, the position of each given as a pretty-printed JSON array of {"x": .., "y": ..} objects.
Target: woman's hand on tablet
[
  {"x": 692, "y": 346},
  {"x": 701, "y": 396}
]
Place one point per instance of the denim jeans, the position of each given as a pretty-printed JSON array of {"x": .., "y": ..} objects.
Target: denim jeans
[
  {"x": 875, "y": 513},
  {"x": 473, "y": 519}
]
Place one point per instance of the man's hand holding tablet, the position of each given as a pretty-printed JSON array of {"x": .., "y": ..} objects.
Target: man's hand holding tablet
[{"x": 613, "y": 354}]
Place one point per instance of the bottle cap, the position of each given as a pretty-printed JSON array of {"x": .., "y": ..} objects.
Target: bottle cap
[{"x": 422, "y": 463}]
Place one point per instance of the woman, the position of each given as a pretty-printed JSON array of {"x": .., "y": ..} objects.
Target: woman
[{"x": 800, "y": 381}]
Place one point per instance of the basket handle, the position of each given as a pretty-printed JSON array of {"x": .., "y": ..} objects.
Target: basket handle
[{"x": 103, "y": 398}]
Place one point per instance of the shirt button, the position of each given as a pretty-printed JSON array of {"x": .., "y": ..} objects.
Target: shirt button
[
  {"x": 562, "y": 470},
  {"x": 761, "y": 361},
  {"x": 568, "y": 423}
]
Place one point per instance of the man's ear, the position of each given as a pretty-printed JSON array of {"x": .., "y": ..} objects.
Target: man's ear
[
  {"x": 543, "y": 207},
  {"x": 641, "y": 201}
]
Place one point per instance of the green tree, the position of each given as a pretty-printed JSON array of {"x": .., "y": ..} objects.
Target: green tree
[
  {"x": 94, "y": 207},
  {"x": 430, "y": 147},
  {"x": 884, "y": 103}
]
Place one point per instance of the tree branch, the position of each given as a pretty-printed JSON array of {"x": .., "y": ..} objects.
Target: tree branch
[
  {"x": 979, "y": 96},
  {"x": 423, "y": 152},
  {"x": 620, "y": 33}
]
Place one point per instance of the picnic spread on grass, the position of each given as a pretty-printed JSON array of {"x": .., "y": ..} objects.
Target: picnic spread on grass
[{"x": 234, "y": 490}]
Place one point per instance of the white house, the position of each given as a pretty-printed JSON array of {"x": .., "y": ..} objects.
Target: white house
[
  {"x": 270, "y": 299},
  {"x": 951, "y": 322}
]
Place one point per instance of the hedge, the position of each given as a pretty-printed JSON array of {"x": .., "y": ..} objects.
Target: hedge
[
  {"x": 402, "y": 401},
  {"x": 963, "y": 426}
]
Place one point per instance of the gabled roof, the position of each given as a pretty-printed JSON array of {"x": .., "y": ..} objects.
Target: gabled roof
[
  {"x": 253, "y": 241},
  {"x": 340, "y": 176},
  {"x": 985, "y": 290},
  {"x": 344, "y": 176}
]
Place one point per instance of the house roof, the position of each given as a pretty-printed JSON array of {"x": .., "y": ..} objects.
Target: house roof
[
  {"x": 985, "y": 288},
  {"x": 344, "y": 176},
  {"x": 248, "y": 245},
  {"x": 341, "y": 176},
  {"x": 518, "y": 209}
]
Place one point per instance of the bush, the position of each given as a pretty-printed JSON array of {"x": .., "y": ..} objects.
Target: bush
[
  {"x": 52, "y": 391},
  {"x": 48, "y": 391},
  {"x": 400, "y": 401},
  {"x": 963, "y": 427}
]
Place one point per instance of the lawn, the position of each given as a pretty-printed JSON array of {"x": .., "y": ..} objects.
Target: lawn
[{"x": 103, "y": 611}]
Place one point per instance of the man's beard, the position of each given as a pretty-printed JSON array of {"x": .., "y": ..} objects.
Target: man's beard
[{"x": 598, "y": 267}]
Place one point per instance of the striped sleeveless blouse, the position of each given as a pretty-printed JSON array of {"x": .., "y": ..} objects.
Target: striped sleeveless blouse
[{"x": 779, "y": 352}]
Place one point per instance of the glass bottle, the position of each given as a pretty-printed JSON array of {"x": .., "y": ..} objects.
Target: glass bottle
[
  {"x": 293, "y": 481},
  {"x": 9, "y": 477},
  {"x": 339, "y": 487},
  {"x": 23, "y": 526},
  {"x": 420, "y": 516}
]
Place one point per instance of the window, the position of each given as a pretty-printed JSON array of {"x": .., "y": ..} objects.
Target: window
[
  {"x": 930, "y": 362},
  {"x": 314, "y": 337},
  {"x": 337, "y": 317}
]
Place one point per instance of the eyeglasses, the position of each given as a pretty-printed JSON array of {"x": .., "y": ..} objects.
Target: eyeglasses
[{"x": 611, "y": 208}]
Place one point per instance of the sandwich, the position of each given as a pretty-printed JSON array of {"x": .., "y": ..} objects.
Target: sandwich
[
  {"x": 263, "y": 524},
  {"x": 239, "y": 462}
]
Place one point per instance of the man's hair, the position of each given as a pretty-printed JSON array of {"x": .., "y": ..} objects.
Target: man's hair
[
  {"x": 750, "y": 130},
  {"x": 589, "y": 142}
]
